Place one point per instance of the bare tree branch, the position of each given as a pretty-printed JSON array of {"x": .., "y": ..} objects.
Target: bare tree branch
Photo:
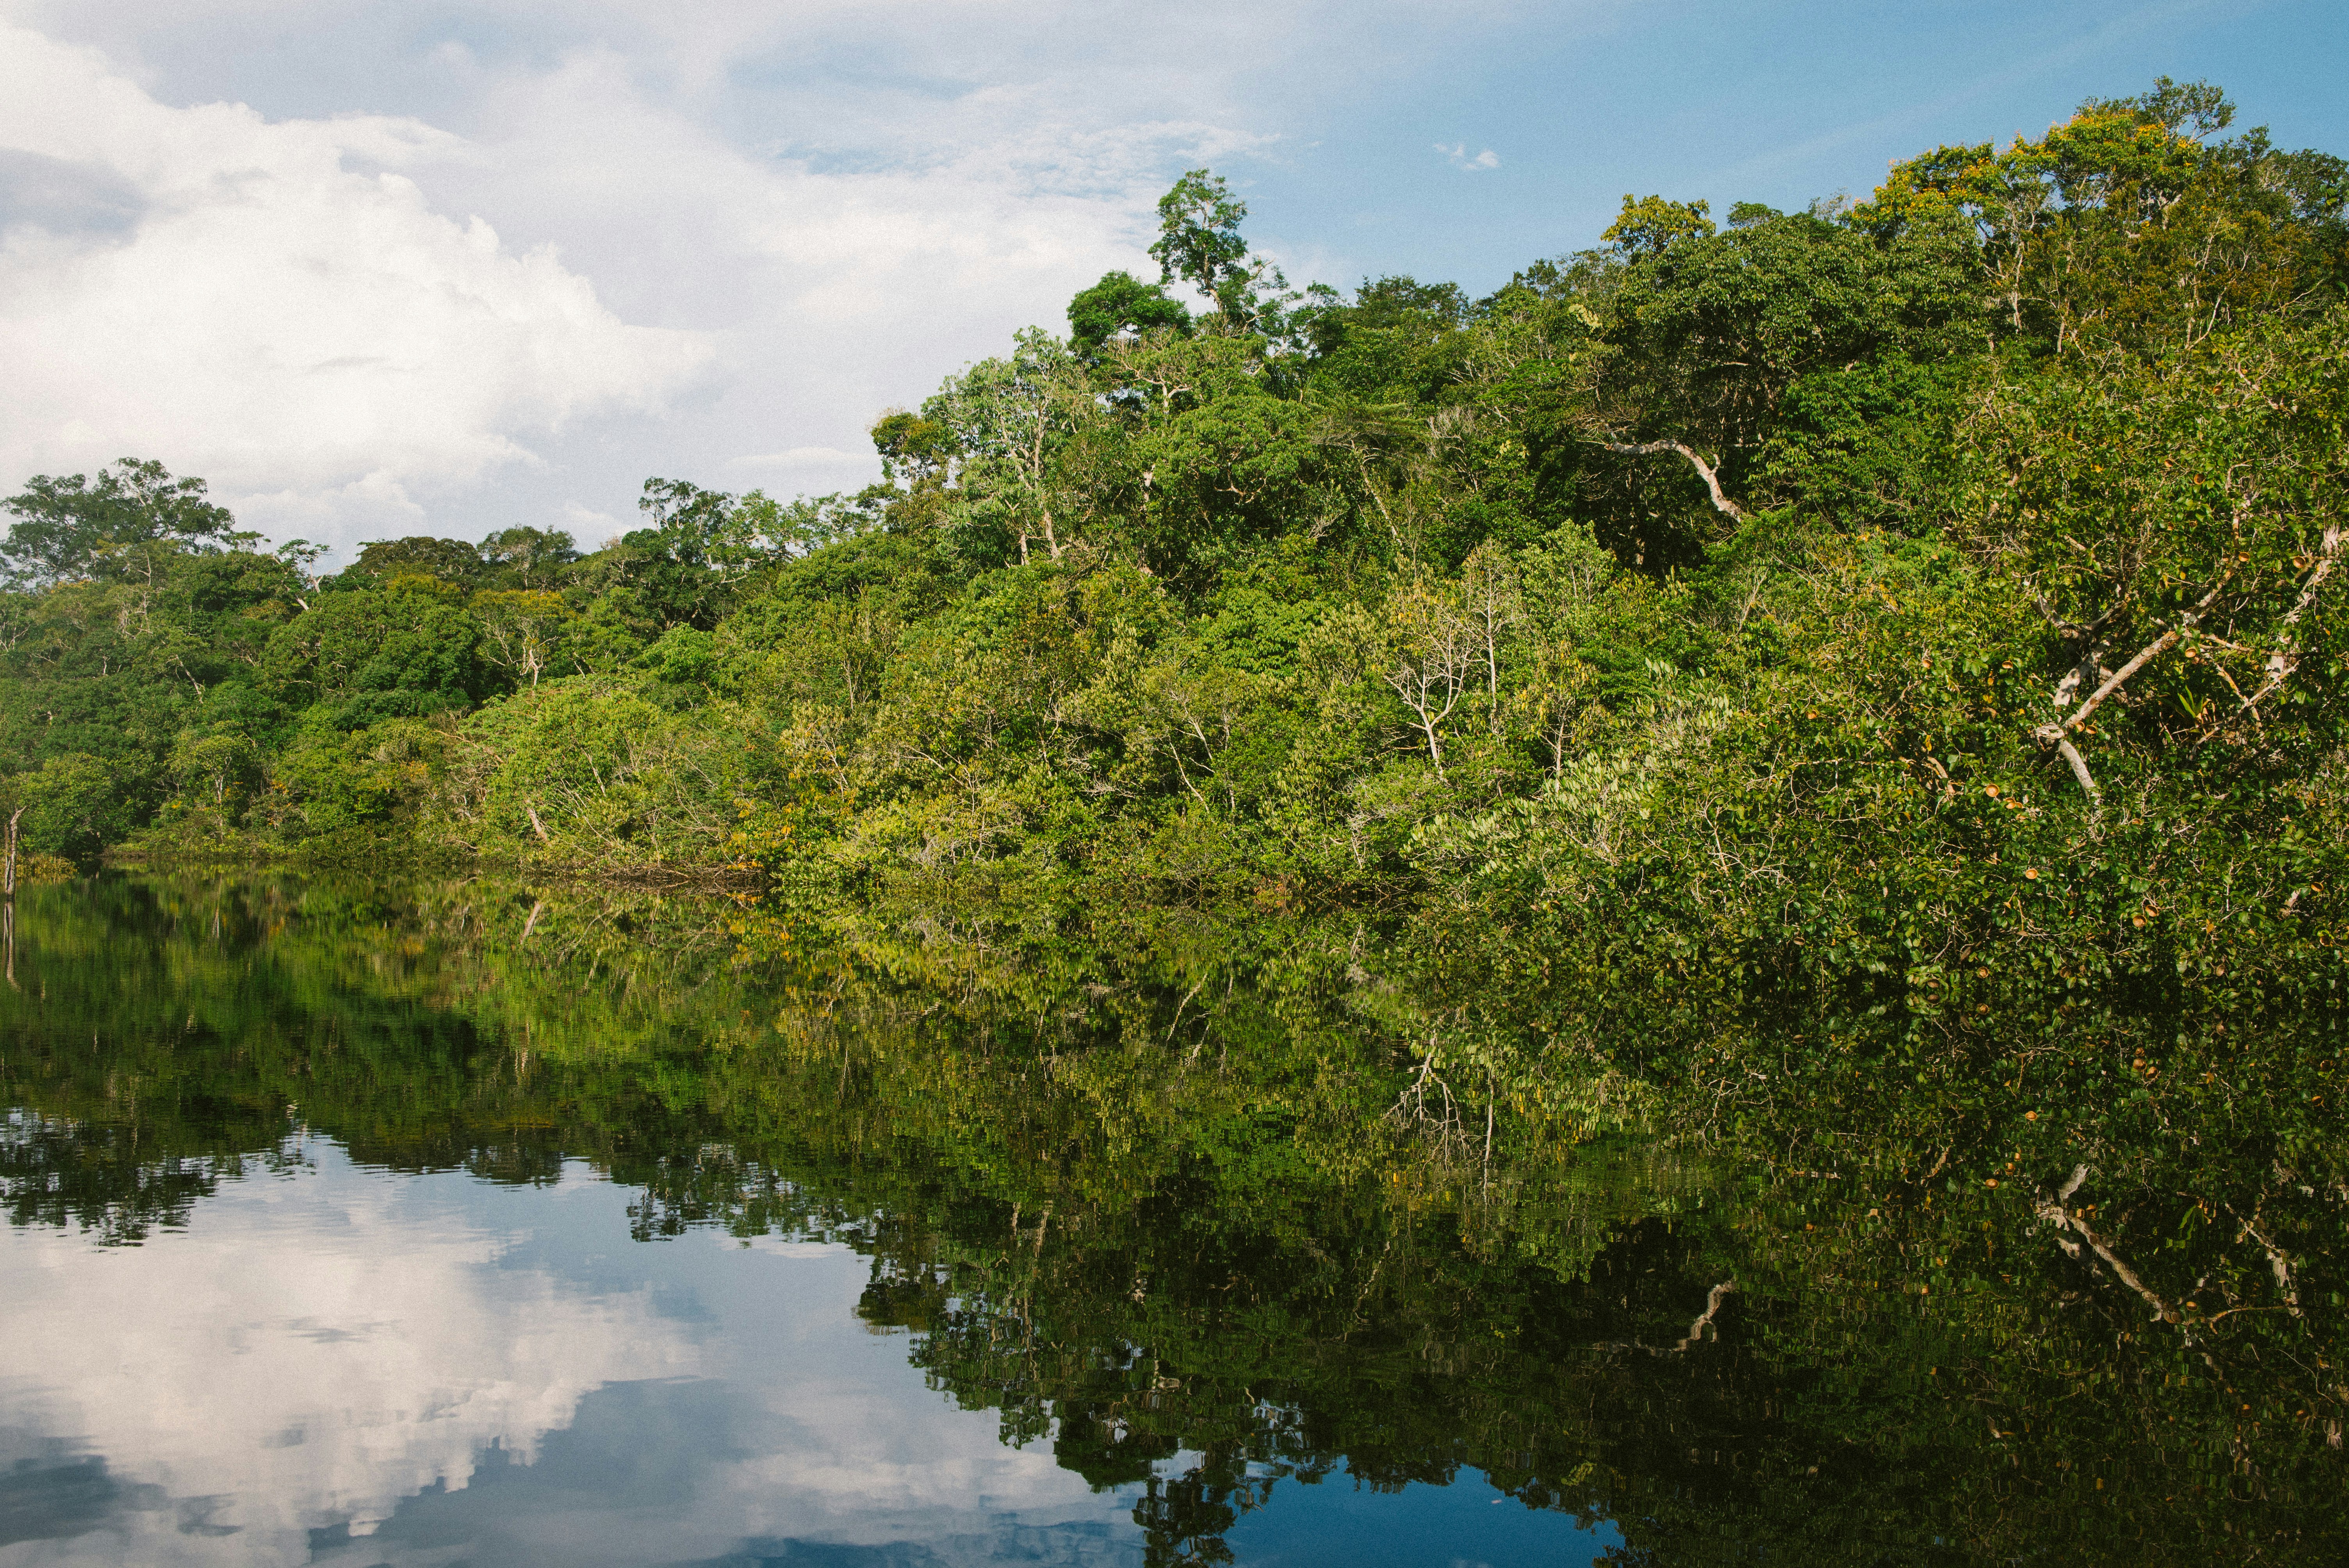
[
  {"x": 2071, "y": 754},
  {"x": 1721, "y": 501},
  {"x": 2057, "y": 733},
  {"x": 2286, "y": 658}
]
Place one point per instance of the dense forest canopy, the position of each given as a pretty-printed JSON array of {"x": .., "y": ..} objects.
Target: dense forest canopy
[{"x": 1942, "y": 582}]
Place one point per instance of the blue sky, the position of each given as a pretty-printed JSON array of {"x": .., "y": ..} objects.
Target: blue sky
[
  {"x": 386, "y": 266},
  {"x": 1779, "y": 103}
]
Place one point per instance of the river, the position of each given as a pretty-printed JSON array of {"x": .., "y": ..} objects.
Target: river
[{"x": 462, "y": 1222}]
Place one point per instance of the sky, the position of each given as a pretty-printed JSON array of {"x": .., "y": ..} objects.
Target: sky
[{"x": 383, "y": 267}]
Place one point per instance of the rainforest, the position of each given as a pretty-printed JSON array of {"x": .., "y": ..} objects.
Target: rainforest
[
  {"x": 1928, "y": 603},
  {"x": 1940, "y": 580},
  {"x": 1709, "y": 885}
]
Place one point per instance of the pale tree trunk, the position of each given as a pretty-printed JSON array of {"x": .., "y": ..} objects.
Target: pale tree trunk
[
  {"x": 1035, "y": 479},
  {"x": 2286, "y": 658},
  {"x": 1431, "y": 676},
  {"x": 1490, "y": 587}
]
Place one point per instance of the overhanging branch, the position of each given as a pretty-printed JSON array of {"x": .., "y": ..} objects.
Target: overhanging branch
[
  {"x": 2058, "y": 734},
  {"x": 1721, "y": 501}
]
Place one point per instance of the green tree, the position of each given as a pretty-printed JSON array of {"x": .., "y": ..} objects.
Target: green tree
[
  {"x": 522, "y": 630},
  {"x": 79, "y": 805},
  {"x": 2128, "y": 227},
  {"x": 532, "y": 558},
  {"x": 363, "y": 656},
  {"x": 1709, "y": 333},
  {"x": 1199, "y": 241},
  {"x": 451, "y": 561},
  {"x": 1119, "y": 305},
  {"x": 1008, "y": 421},
  {"x": 1649, "y": 226},
  {"x": 122, "y": 524}
]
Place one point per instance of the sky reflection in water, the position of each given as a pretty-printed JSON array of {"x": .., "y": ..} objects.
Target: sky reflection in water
[
  {"x": 473, "y": 1222},
  {"x": 337, "y": 1364}
]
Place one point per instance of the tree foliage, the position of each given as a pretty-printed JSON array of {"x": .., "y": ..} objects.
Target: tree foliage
[{"x": 1738, "y": 615}]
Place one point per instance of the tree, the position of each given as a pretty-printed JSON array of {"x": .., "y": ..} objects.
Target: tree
[
  {"x": 77, "y": 806},
  {"x": 684, "y": 568},
  {"x": 521, "y": 628},
  {"x": 1433, "y": 656},
  {"x": 1493, "y": 605},
  {"x": 916, "y": 450},
  {"x": 726, "y": 535},
  {"x": 809, "y": 523},
  {"x": 1708, "y": 332},
  {"x": 1397, "y": 334},
  {"x": 1199, "y": 241},
  {"x": 1650, "y": 225},
  {"x": 1204, "y": 460},
  {"x": 1119, "y": 305},
  {"x": 362, "y": 657},
  {"x": 1007, "y": 419},
  {"x": 2179, "y": 528},
  {"x": 114, "y": 526},
  {"x": 222, "y": 770},
  {"x": 448, "y": 561},
  {"x": 531, "y": 558},
  {"x": 2127, "y": 228}
]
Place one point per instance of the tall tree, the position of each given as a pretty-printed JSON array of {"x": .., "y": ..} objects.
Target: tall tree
[
  {"x": 117, "y": 525},
  {"x": 1199, "y": 241},
  {"x": 1122, "y": 304}
]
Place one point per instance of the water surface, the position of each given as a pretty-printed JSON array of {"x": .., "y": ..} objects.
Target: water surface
[{"x": 466, "y": 1223}]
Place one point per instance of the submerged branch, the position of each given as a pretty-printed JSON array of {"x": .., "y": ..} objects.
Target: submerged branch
[{"x": 1712, "y": 1300}]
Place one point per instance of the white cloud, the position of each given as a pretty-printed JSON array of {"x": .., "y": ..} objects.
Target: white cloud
[
  {"x": 376, "y": 505},
  {"x": 797, "y": 457},
  {"x": 278, "y": 306},
  {"x": 808, "y": 210},
  {"x": 1458, "y": 153},
  {"x": 271, "y": 1357}
]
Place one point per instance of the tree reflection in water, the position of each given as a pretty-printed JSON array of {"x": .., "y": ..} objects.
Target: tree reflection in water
[{"x": 1189, "y": 1247}]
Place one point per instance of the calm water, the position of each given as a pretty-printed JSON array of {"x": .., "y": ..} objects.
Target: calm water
[
  {"x": 469, "y": 1224},
  {"x": 334, "y": 1362}
]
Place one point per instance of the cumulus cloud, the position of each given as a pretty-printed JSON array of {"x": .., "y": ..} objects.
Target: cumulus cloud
[
  {"x": 276, "y": 304},
  {"x": 275, "y": 1360},
  {"x": 798, "y": 457},
  {"x": 1458, "y": 153},
  {"x": 600, "y": 239}
]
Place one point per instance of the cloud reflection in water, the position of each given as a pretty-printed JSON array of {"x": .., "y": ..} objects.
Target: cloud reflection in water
[{"x": 344, "y": 1365}]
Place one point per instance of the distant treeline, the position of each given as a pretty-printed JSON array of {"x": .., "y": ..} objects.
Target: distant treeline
[{"x": 1932, "y": 587}]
